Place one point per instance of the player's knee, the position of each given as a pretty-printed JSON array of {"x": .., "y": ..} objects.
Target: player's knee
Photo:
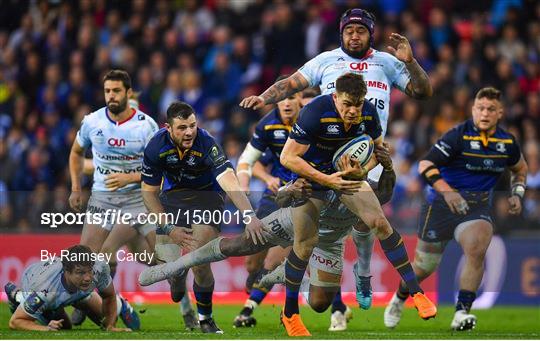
[
  {"x": 425, "y": 263},
  {"x": 381, "y": 226},
  {"x": 304, "y": 247},
  {"x": 319, "y": 303},
  {"x": 475, "y": 245},
  {"x": 202, "y": 273}
]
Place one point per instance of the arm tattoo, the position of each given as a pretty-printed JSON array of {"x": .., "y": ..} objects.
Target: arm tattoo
[
  {"x": 419, "y": 87},
  {"x": 284, "y": 88}
]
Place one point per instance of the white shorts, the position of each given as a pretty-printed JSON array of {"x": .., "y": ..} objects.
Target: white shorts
[
  {"x": 119, "y": 204},
  {"x": 326, "y": 257}
]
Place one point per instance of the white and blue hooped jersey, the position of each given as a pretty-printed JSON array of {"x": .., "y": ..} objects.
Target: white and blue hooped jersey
[
  {"x": 117, "y": 147},
  {"x": 381, "y": 72},
  {"x": 44, "y": 288}
]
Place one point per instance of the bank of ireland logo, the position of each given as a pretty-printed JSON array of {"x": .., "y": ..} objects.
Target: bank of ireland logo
[
  {"x": 191, "y": 161},
  {"x": 500, "y": 147}
]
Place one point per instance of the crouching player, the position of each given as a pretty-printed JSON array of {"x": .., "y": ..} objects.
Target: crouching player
[
  {"x": 336, "y": 222},
  {"x": 462, "y": 168},
  {"x": 48, "y": 287}
]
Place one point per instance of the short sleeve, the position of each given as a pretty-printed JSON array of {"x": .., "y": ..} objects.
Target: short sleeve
[
  {"x": 152, "y": 172},
  {"x": 306, "y": 126},
  {"x": 373, "y": 126},
  {"x": 35, "y": 304},
  {"x": 313, "y": 71},
  {"x": 266, "y": 157},
  {"x": 259, "y": 139},
  {"x": 445, "y": 149},
  {"x": 397, "y": 72},
  {"x": 83, "y": 135},
  {"x": 216, "y": 160}
]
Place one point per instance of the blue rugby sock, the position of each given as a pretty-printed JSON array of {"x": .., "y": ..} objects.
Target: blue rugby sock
[
  {"x": 294, "y": 272},
  {"x": 395, "y": 251}
]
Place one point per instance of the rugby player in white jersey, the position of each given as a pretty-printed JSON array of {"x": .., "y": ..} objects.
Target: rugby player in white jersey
[
  {"x": 69, "y": 279},
  {"x": 117, "y": 134},
  {"x": 381, "y": 72}
]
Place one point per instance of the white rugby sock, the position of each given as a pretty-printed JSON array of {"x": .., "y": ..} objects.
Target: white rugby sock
[
  {"x": 208, "y": 253},
  {"x": 364, "y": 248}
]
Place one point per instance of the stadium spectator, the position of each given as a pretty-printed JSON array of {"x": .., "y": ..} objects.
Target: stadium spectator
[{"x": 463, "y": 48}]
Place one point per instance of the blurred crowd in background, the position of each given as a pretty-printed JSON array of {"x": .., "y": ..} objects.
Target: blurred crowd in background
[{"x": 213, "y": 53}]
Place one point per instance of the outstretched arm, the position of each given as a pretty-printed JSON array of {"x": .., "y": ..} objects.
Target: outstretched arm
[
  {"x": 277, "y": 92},
  {"x": 419, "y": 86}
]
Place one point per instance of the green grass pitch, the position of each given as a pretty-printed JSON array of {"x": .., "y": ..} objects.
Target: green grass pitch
[{"x": 164, "y": 322}]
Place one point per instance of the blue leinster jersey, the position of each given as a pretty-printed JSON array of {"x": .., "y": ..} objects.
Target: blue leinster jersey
[
  {"x": 471, "y": 161},
  {"x": 272, "y": 133},
  {"x": 320, "y": 126},
  {"x": 193, "y": 169}
]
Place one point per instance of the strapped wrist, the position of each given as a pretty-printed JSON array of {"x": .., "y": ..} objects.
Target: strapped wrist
[
  {"x": 431, "y": 175},
  {"x": 518, "y": 190}
]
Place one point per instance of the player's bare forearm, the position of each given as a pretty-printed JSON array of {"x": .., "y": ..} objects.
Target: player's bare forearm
[
  {"x": 440, "y": 185},
  {"x": 109, "y": 310},
  {"x": 228, "y": 181},
  {"x": 419, "y": 86},
  {"x": 150, "y": 195},
  {"x": 21, "y": 321},
  {"x": 299, "y": 166},
  {"x": 385, "y": 186},
  {"x": 76, "y": 165},
  {"x": 285, "y": 88},
  {"x": 259, "y": 171},
  {"x": 519, "y": 172}
]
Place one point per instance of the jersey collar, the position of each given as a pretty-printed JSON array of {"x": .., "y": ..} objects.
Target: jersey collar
[{"x": 133, "y": 112}]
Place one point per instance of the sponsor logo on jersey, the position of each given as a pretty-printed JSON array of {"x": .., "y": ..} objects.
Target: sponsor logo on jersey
[
  {"x": 475, "y": 145},
  {"x": 489, "y": 162},
  {"x": 500, "y": 147},
  {"x": 333, "y": 129},
  {"x": 191, "y": 161},
  {"x": 114, "y": 142},
  {"x": 358, "y": 66},
  {"x": 141, "y": 117},
  {"x": 172, "y": 159},
  {"x": 99, "y": 132},
  {"x": 280, "y": 134},
  {"x": 377, "y": 85},
  {"x": 325, "y": 261},
  {"x": 361, "y": 128}
]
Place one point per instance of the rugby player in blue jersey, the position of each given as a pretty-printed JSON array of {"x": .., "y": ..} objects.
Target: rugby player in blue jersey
[
  {"x": 322, "y": 127},
  {"x": 69, "y": 279},
  {"x": 382, "y": 71},
  {"x": 185, "y": 174},
  {"x": 462, "y": 168}
]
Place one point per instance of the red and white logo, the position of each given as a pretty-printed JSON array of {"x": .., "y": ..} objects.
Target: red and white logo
[
  {"x": 114, "y": 142},
  {"x": 359, "y": 66}
]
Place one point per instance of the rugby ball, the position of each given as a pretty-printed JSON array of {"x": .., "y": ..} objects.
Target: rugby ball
[{"x": 360, "y": 148}]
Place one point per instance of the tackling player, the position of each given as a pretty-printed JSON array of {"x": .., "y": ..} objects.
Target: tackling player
[
  {"x": 184, "y": 172},
  {"x": 323, "y": 125},
  {"x": 462, "y": 168},
  {"x": 336, "y": 222},
  {"x": 381, "y": 71},
  {"x": 48, "y": 287}
]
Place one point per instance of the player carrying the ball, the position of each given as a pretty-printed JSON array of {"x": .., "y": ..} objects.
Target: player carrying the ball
[
  {"x": 382, "y": 72},
  {"x": 325, "y": 124}
]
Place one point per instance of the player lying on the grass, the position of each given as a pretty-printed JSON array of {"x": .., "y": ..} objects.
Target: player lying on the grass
[
  {"x": 336, "y": 222},
  {"x": 325, "y": 124},
  {"x": 462, "y": 168},
  {"x": 48, "y": 287}
]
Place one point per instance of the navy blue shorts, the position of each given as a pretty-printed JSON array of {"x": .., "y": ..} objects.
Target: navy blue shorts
[
  {"x": 194, "y": 208},
  {"x": 437, "y": 223}
]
